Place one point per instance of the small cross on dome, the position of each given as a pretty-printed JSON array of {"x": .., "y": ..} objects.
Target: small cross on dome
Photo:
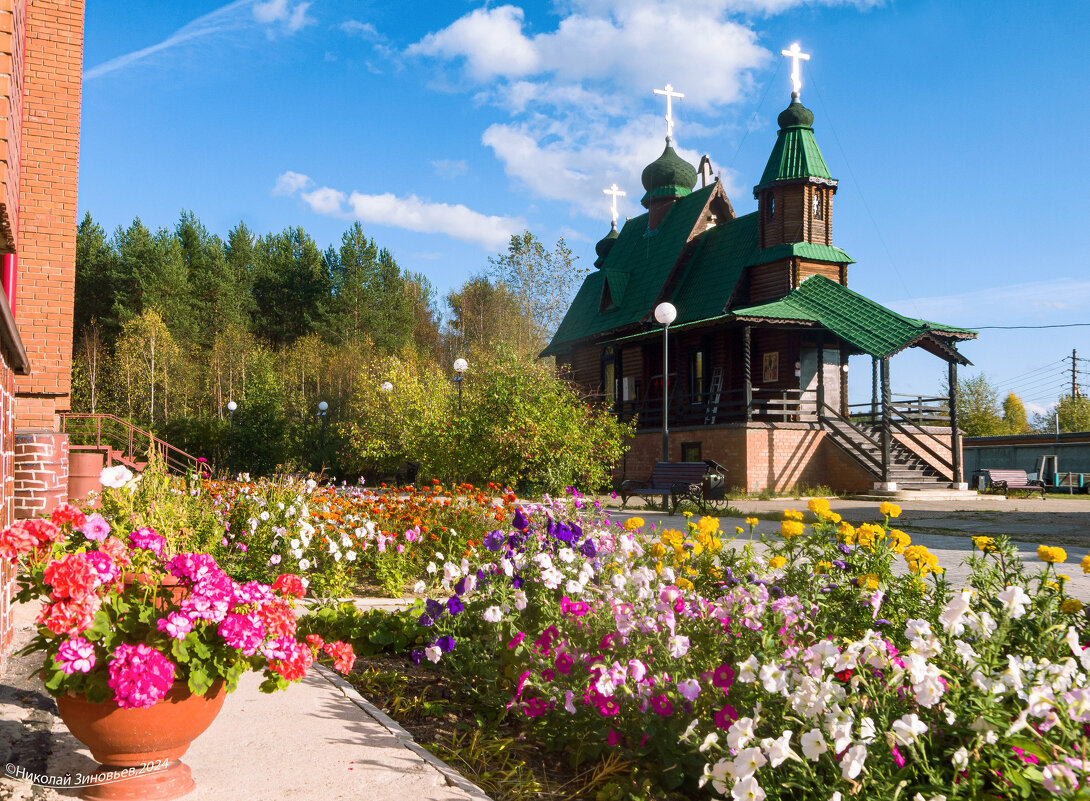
[
  {"x": 795, "y": 54},
  {"x": 616, "y": 192}
]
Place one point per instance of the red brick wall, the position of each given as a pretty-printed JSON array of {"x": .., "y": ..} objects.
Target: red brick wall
[
  {"x": 939, "y": 442},
  {"x": 12, "y": 36},
  {"x": 777, "y": 456},
  {"x": 47, "y": 209},
  {"x": 7, "y": 493}
]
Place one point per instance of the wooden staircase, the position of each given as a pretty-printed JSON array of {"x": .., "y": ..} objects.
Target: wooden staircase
[
  {"x": 123, "y": 443},
  {"x": 863, "y": 444}
]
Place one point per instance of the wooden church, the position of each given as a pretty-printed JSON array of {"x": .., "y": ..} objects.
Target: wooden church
[{"x": 757, "y": 357}]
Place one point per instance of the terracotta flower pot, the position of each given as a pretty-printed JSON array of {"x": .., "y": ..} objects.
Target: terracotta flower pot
[
  {"x": 150, "y": 741},
  {"x": 171, "y": 589}
]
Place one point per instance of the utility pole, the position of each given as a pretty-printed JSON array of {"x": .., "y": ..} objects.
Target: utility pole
[{"x": 1074, "y": 373}]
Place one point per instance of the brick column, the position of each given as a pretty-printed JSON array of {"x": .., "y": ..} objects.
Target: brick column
[{"x": 41, "y": 472}]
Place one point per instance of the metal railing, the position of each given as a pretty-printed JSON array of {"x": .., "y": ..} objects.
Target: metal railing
[{"x": 122, "y": 441}]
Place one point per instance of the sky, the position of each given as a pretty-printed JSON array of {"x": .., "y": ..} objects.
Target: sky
[{"x": 957, "y": 132}]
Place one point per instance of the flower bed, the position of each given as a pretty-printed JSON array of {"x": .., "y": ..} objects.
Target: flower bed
[{"x": 809, "y": 671}]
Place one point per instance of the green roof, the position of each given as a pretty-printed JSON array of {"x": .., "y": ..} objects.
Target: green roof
[
  {"x": 805, "y": 250},
  {"x": 796, "y": 153},
  {"x": 646, "y": 259},
  {"x": 869, "y": 326},
  {"x": 715, "y": 269}
]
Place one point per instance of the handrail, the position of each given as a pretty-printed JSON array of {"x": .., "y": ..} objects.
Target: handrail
[
  {"x": 918, "y": 439},
  {"x": 118, "y": 434},
  {"x": 840, "y": 437}
]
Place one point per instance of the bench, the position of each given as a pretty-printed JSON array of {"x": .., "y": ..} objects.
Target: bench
[
  {"x": 1008, "y": 480},
  {"x": 673, "y": 480}
]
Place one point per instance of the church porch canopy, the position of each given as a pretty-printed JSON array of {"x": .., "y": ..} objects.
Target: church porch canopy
[{"x": 865, "y": 325}]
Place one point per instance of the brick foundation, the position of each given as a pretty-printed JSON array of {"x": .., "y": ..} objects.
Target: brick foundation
[
  {"x": 760, "y": 456},
  {"x": 41, "y": 472}
]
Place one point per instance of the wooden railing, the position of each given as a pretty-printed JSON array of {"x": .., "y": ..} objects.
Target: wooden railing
[
  {"x": 920, "y": 410},
  {"x": 691, "y": 409},
  {"x": 122, "y": 441}
]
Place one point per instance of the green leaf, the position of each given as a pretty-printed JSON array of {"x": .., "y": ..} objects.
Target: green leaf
[
  {"x": 199, "y": 679},
  {"x": 180, "y": 651}
]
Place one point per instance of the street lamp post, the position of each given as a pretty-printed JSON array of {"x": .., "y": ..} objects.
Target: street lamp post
[
  {"x": 460, "y": 366},
  {"x": 665, "y": 313},
  {"x": 323, "y": 408},
  {"x": 231, "y": 406},
  {"x": 386, "y": 387}
]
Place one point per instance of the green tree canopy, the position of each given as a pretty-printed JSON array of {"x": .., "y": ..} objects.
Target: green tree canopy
[
  {"x": 979, "y": 414},
  {"x": 1014, "y": 415}
]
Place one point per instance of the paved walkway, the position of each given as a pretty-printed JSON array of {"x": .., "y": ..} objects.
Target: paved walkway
[
  {"x": 317, "y": 739},
  {"x": 945, "y": 527}
]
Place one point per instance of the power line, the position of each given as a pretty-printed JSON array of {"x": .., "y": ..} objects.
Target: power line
[
  {"x": 1025, "y": 327},
  {"x": 1035, "y": 370}
]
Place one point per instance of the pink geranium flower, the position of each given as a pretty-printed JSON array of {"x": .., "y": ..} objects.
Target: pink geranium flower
[
  {"x": 140, "y": 676},
  {"x": 76, "y": 656}
]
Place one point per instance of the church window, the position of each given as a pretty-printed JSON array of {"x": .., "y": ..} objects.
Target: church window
[
  {"x": 697, "y": 376},
  {"x": 771, "y": 206},
  {"x": 818, "y": 207}
]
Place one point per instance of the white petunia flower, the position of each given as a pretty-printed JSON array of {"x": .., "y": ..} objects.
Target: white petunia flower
[
  {"x": 304, "y": 564},
  {"x": 778, "y": 750},
  {"x": 115, "y": 477},
  {"x": 908, "y": 728},
  {"x": 420, "y": 587},
  {"x": 813, "y": 745},
  {"x": 740, "y": 733},
  {"x": 433, "y": 652},
  {"x": 493, "y": 614},
  {"x": 748, "y": 761},
  {"x": 1014, "y": 600},
  {"x": 747, "y": 670},
  {"x": 960, "y": 759},
  {"x": 852, "y": 764}
]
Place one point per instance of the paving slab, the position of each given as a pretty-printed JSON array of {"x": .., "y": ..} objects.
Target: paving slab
[{"x": 317, "y": 739}]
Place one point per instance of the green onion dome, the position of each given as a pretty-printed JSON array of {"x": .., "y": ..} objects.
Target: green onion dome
[
  {"x": 668, "y": 175},
  {"x": 796, "y": 115},
  {"x": 605, "y": 244}
]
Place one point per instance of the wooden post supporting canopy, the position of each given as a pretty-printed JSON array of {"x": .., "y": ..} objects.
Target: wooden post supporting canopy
[
  {"x": 873, "y": 389},
  {"x": 955, "y": 434},
  {"x": 887, "y": 401},
  {"x": 821, "y": 377},
  {"x": 747, "y": 364}
]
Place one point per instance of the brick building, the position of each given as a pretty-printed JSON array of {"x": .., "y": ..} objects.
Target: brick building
[
  {"x": 758, "y": 352},
  {"x": 41, "y": 65}
]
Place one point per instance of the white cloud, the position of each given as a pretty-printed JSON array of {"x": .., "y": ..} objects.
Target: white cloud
[
  {"x": 293, "y": 18},
  {"x": 450, "y": 168},
  {"x": 353, "y": 27},
  {"x": 226, "y": 18},
  {"x": 490, "y": 41},
  {"x": 325, "y": 200},
  {"x": 1030, "y": 304},
  {"x": 457, "y": 221},
  {"x": 288, "y": 183},
  {"x": 411, "y": 213}
]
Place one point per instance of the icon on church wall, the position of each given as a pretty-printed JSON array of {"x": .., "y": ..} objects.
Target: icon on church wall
[{"x": 771, "y": 372}]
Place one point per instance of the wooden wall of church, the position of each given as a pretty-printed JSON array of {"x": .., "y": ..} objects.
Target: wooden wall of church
[
  {"x": 834, "y": 272},
  {"x": 769, "y": 281}
]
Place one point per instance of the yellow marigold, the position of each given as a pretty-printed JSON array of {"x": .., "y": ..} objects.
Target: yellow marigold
[
  {"x": 846, "y": 533},
  {"x": 823, "y": 567},
  {"x": 898, "y": 540},
  {"x": 697, "y": 549},
  {"x": 776, "y": 562},
  {"x": 868, "y": 534},
  {"x": 672, "y": 537},
  {"x": 708, "y": 525},
  {"x": 687, "y": 515},
  {"x": 689, "y": 571},
  {"x": 715, "y": 572},
  {"x": 868, "y": 581},
  {"x": 1086, "y": 563},
  {"x": 683, "y": 584},
  {"x": 658, "y": 550},
  {"x": 792, "y": 514},
  {"x": 791, "y": 528},
  {"x": 1047, "y": 553},
  {"x": 715, "y": 545},
  {"x": 739, "y": 530},
  {"x": 752, "y": 521},
  {"x": 818, "y": 505},
  {"x": 890, "y": 509},
  {"x": 1071, "y": 606},
  {"x": 658, "y": 568},
  {"x": 1063, "y": 577},
  {"x": 633, "y": 523},
  {"x": 921, "y": 561},
  {"x": 986, "y": 544},
  {"x": 829, "y": 516}
]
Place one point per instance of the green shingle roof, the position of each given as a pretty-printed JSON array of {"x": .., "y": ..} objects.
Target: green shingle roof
[
  {"x": 805, "y": 250},
  {"x": 869, "y": 326},
  {"x": 796, "y": 153},
  {"x": 713, "y": 273},
  {"x": 646, "y": 257}
]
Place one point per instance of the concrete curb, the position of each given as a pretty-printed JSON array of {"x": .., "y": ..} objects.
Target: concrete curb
[{"x": 352, "y": 694}]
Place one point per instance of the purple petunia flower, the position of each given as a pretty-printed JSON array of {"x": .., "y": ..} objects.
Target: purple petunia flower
[
  {"x": 445, "y": 643},
  {"x": 455, "y": 605},
  {"x": 494, "y": 540}
]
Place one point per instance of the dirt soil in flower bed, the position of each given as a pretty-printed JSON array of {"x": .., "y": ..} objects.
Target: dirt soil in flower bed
[{"x": 430, "y": 707}]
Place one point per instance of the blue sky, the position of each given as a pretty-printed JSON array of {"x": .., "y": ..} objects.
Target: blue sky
[{"x": 957, "y": 131}]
